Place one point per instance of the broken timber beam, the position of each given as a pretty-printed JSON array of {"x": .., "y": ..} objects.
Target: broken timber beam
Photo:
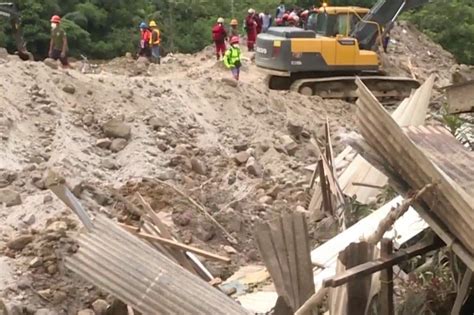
[{"x": 381, "y": 263}]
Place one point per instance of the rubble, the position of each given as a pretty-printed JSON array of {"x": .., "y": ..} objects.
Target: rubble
[
  {"x": 115, "y": 128},
  {"x": 241, "y": 157},
  {"x": 118, "y": 145},
  {"x": 19, "y": 242},
  {"x": 10, "y": 197}
]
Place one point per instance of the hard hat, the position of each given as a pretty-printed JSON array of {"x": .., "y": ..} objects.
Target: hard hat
[
  {"x": 55, "y": 19},
  {"x": 234, "y": 22},
  {"x": 234, "y": 40},
  {"x": 143, "y": 25},
  {"x": 251, "y": 11},
  {"x": 220, "y": 20},
  {"x": 304, "y": 13},
  {"x": 261, "y": 15},
  {"x": 153, "y": 24}
]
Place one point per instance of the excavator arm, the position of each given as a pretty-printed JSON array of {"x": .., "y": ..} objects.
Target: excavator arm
[
  {"x": 381, "y": 16},
  {"x": 9, "y": 11}
]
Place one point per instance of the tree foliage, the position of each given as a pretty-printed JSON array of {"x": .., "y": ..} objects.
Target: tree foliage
[{"x": 104, "y": 29}]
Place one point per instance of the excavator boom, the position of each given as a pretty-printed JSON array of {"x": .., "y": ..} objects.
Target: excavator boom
[{"x": 9, "y": 11}]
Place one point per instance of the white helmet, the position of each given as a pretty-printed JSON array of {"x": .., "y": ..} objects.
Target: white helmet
[
  {"x": 251, "y": 11},
  {"x": 220, "y": 20},
  {"x": 261, "y": 15}
]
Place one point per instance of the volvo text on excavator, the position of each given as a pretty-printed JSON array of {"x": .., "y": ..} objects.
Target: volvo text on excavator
[
  {"x": 338, "y": 44},
  {"x": 9, "y": 11}
]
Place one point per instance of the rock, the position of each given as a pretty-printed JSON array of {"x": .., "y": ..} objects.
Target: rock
[
  {"x": 198, "y": 167},
  {"x": 181, "y": 150},
  {"x": 206, "y": 232},
  {"x": 57, "y": 227},
  {"x": 241, "y": 147},
  {"x": 13, "y": 310},
  {"x": 100, "y": 307},
  {"x": 254, "y": 168},
  {"x": 3, "y": 53},
  {"x": 162, "y": 146},
  {"x": 68, "y": 88},
  {"x": 110, "y": 164},
  {"x": 118, "y": 144},
  {"x": 20, "y": 242},
  {"x": 266, "y": 200},
  {"x": 235, "y": 224},
  {"x": 47, "y": 199},
  {"x": 52, "y": 269},
  {"x": 289, "y": 144},
  {"x": 88, "y": 119},
  {"x": 75, "y": 185},
  {"x": 252, "y": 255},
  {"x": 117, "y": 129},
  {"x": 38, "y": 180},
  {"x": 103, "y": 143},
  {"x": 10, "y": 197},
  {"x": 230, "y": 290},
  {"x": 157, "y": 123},
  {"x": 36, "y": 262},
  {"x": 183, "y": 219},
  {"x": 230, "y": 82},
  {"x": 241, "y": 157},
  {"x": 53, "y": 64},
  {"x": 59, "y": 297},
  {"x": 229, "y": 249},
  {"x": 301, "y": 209},
  {"x": 86, "y": 312},
  {"x": 295, "y": 128},
  {"x": 274, "y": 191},
  {"x": 6, "y": 178},
  {"x": 24, "y": 283}
]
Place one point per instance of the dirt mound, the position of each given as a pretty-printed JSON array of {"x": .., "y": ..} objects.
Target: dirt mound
[{"x": 238, "y": 150}]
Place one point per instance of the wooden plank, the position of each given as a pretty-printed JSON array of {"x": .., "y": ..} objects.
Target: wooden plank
[
  {"x": 462, "y": 292},
  {"x": 447, "y": 200},
  {"x": 381, "y": 263},
  {"x": 386, "y": 280},
  {"x": 292, "y": 259},
  {"x": 174, "y": 244},
  {"x": 304, "y": 266}
]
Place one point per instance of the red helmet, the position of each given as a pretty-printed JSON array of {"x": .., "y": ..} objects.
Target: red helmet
[
  {"x": 234, "y": 40},
  {"x": 56, "y": 19}
]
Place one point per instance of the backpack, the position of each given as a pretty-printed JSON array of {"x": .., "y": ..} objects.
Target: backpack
[{"x": 217, "y": 33}]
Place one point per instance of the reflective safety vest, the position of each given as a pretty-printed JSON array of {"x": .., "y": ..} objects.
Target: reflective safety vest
[
  {"x": 232, "y": 55},
  {"x": 155, "y": 37}
]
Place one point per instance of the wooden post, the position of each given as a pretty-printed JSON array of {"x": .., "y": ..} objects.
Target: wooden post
[{"x": 386, "y": 279}]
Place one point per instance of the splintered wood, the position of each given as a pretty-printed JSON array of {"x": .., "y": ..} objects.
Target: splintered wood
[
  {"x": 285, "y": 250},
  {"x": 448, "y": 202}
]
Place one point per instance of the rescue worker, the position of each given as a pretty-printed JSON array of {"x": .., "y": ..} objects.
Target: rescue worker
[
  {"x": 266, "y": 21},
  {"x": 386, "y": 41},
  {"x": 155, "y": 41},
  {"x": 251, "y": 29},
  {"x": 258, "y": 20},
  {"x": 219, "y": 36},
  {"x": 145, "y": 37},
  {"x": 58, "y": 45},
  {"x": 234, "y": 31},
  {"x": 232, "y": 57}
]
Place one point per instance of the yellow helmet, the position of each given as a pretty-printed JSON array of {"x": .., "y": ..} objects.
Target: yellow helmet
[
  {"x": 153, "y": 24},
  {"x": 234, "y": 22}
]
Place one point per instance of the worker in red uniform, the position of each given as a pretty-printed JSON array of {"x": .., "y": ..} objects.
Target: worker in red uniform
[
  {"x": 145, "y": 37},
  {"x": 251, "y": 29},
  {"x": 219, "y": 36}
]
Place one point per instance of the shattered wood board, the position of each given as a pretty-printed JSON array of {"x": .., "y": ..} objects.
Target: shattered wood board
[
  {"x": 446, "y": 152},
  {"x": 284, "y": 246},
  {"x": 446, "y": 201},
  {"x": 405, "y": 228}
]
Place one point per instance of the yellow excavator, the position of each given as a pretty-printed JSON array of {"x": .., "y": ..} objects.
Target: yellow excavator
[
  {"x": 338, "y": 44},
  {"x": 9, "y": 11}
]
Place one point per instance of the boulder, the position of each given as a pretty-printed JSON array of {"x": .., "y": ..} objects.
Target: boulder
[
  {"x": 115, "y": 128},
  {"x": 53, "y": 64},
  {"x": 241, "y": 157},
  {"x": 20, "y": 242},
  {"x": 118, "y": 144},
  {"x": 69, "y": 88},
  {"x": 103, "y": 143},
  {"x": 254, "y": 168},
  {"x": 10, "y": 197},
  {"x": 198, "y": 166}
]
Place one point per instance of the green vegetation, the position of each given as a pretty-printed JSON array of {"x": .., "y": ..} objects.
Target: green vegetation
[{"x": 105, "y": 29}]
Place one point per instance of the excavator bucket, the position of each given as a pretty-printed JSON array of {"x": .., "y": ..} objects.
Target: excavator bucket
[{"x": 23, "y": 53}]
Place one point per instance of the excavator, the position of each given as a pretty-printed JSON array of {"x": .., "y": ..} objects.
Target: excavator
[
  {"x": 9, "y": 11},
  {"x": 338, "y": 44}
]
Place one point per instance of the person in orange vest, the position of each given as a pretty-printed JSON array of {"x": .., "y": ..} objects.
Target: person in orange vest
[
  {"x": 58, "y": 45},
  {"x": 155, "y": 41}
]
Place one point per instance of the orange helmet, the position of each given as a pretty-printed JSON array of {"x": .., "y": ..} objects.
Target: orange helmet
[
  {"x": 234, "y": 40},
  {"x": 56, "y": 19},
  {"x": 234, "y": 22}
]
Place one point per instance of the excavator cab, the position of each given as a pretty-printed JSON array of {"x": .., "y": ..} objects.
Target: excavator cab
[{"x": 332, "y": 21}]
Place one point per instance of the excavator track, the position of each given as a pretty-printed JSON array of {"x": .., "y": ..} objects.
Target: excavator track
[{"x": 388, "y": 90}]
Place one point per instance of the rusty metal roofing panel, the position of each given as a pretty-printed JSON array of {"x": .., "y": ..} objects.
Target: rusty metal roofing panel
[
  {"x": 446, "y": 152},
  {"x": 139, "y": 275}
]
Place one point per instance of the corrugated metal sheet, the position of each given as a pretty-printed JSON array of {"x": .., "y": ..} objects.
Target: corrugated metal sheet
[
  {"x": 133, "y": 271},
  {"x": 446, "y": 152},
  {"x": 447, "y": 201}
]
